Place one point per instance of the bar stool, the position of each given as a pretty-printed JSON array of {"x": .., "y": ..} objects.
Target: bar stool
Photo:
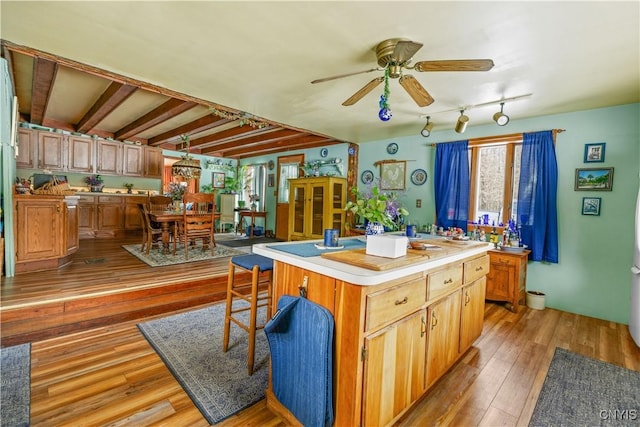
[{"x": 256, "y": 264}]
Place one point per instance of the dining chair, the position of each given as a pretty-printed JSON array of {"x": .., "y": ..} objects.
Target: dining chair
[
  {"x": 198, "y": 222},
  {"x": 150, "y": 233},
  {"x": 159, "y": 203}
]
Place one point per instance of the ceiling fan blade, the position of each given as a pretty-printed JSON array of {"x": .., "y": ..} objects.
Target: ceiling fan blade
[
  {"x": 416, "y": 90},
  {"x": 362, "y": 92},
  {"x": 326, "y": 79},
  {"x": 455, "y": 65},
  {"x": 404, "y": 50}
]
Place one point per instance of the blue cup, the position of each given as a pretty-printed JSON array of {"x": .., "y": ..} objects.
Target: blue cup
[
  {"x": 412, "y": 230},
  {"x": 331, "y": 237}
]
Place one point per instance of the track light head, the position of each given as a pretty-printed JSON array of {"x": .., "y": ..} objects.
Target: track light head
[
  {"x": 461, "y": 124},
  {"x": 426, "y": 130},
  {"x": 500, "y": 118}
]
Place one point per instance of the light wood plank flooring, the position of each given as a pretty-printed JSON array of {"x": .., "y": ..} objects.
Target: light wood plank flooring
[{"x": 111, "y": 376}]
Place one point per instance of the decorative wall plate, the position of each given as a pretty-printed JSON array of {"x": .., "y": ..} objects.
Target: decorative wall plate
[
  {"x": 419, "y": 176},
  {"x": 324, "y": 152},
  {"x": 271, "y": 165},
  {"x": 392, "y": 148},
  {"x": 366, "y": 177}
]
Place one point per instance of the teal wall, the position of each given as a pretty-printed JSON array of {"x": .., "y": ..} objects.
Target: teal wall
[{"x": 593, "y": 275}]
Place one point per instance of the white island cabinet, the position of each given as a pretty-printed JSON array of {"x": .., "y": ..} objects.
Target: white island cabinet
[{"x": 400, "y": 324}]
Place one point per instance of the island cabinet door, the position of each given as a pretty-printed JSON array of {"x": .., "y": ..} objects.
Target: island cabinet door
[
  {"x": 288, "y": 280},
  {"x": 472, "y": 313},
  {"x": 443, "y": 320},
  {"x": 394, "y": 363}
]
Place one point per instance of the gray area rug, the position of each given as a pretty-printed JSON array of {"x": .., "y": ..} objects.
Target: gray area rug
[
  {"x": 15, "y": 386},
  {"x": 190, "y": 344},
  {"x": 157, "y": 259},
  {"x": 580, "y": 391}
]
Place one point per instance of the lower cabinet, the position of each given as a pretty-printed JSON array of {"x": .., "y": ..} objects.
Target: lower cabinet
[
  {"x": 507, "y": 278},
  {"x": 46, "y": 230},
  {"x": 444, "y": 336},
  {"x": 472, "y": 313},
  {"x": 394, "y": 369},
  {"x": 105, "y": 216}
]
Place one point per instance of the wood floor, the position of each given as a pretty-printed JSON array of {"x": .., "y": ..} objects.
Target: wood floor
[{"x": 109, "y": 375}]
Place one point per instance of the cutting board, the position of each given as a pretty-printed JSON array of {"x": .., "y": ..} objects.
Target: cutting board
[{"x": 359, "y": 258}]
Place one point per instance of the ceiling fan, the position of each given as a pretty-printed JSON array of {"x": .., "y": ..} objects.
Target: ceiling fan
[{"x": 396, "y": 55}]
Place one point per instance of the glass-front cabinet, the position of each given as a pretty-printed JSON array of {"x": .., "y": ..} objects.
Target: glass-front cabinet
[{"x": 316, "y": 204}]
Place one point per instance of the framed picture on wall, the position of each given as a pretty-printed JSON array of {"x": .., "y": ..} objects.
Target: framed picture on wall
[
  {"x": 392, "y": 175},
  {"x": 594, "y": 179},
  {"x": 594, "y": 153},
  {"x": 218, "y": 179},
  {"x": 591, "y": 206},
  {"x": 271, "y": 180}
]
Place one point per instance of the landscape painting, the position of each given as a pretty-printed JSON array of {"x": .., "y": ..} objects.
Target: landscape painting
[{"x": 594, "y": 179}]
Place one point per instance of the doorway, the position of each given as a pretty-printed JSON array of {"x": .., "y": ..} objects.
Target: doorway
[{"x": 288, "y": 167}]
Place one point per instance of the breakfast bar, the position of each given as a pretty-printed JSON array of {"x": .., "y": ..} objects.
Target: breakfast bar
[{"x": 400, "y": 323}]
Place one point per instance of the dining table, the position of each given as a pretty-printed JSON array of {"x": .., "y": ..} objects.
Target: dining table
[
  {"x": 253, "y": 215},
  {"x": 167, "y": 219}
]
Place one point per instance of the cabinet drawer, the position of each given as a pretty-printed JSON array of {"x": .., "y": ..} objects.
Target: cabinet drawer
[
  {"x": 109, "y": 199},
  {"x": 393, "y": 303},
  {"x": 87, "y": 199},
  {"x": 503, "y": 260},
  {"x": 441, "y": 282},
  {"x": 475, "y": 269}
]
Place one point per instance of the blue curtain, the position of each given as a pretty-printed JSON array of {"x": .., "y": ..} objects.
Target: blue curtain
[
  {"x": 452, "y": 184},
  {"x": 537, "y": 208}
]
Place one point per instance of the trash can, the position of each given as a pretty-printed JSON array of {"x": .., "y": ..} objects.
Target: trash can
[{"x": 535, "y": 300}]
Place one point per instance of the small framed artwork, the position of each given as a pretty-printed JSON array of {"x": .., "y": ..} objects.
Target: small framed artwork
[
  {"x": 591, "y": 206},
  {"x": 366, "y": 177},
  {"x": 218, "y": 179},
  {"x": 392, "y": 175},
  {"x": 271, "y": 180},
  {"x": 594, "y": 179},
  {"x": 594, "y": 153}
]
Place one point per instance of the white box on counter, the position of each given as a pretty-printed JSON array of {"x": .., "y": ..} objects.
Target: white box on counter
[{"x": 387, "y": 245}]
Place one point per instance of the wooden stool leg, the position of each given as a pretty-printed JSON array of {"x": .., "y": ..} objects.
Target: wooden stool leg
[
  {"x": 269, "y": 295},
  {"x": 253, "y": 318},
  {"x": 227, "y": 315}
]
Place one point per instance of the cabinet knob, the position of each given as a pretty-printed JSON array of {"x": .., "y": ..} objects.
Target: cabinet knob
[
  {"x": 467, "y": 298},
  {"x": 479, "y": 268},
  {"x": 423, "y": 326},
  {"x": 449, "y": 280},
  {"x": 434, "y": 320}
]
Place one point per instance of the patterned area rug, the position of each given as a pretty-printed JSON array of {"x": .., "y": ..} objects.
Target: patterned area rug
[
  {"x": 190, "y": 344},
  {"x": 15, "y": 387},
  {"x": 580, "y": 391},
  {"x": 156, "y": 258},
  {"x": 236, "y": 243}
]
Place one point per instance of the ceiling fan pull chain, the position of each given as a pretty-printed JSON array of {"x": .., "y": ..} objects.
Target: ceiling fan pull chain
[{"x": 385, "y": 110}]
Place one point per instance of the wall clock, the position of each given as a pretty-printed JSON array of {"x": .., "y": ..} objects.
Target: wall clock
[
  {"x": 419, "y": 176},
  {"x": 392, "y": 148},
  {"x": 324, "y": 152},
  {"x": 366, "y": 177}
]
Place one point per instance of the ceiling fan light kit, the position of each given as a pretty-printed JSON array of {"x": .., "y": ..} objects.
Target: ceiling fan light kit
[
  {"x": 461, "y": 124},
  {"x": 187, "y": 167}
]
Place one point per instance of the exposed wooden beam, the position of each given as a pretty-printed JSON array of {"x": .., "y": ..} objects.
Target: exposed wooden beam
[
  {"x": 284, "y": 150},
  {"x": 169, "y": 109},
  {"x": 256, "y": 140},
  {"x": 229, "y": 135},
  {"x": 199, "y": 125},
  {"x": 44, "y": 74},
  {"x": 115, "y": 95},
  {"x": 282, "y": 145}
]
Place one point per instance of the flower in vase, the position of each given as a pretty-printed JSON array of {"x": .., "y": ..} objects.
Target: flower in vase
[{"x": 377, "y": 207}]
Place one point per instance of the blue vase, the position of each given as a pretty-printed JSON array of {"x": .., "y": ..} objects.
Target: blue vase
[{"x": 373, "y": 228}]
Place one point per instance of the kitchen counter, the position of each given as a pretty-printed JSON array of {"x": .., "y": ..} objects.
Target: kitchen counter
[{"x": 364, "y": 276}]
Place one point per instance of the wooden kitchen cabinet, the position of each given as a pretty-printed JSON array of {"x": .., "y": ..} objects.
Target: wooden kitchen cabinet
[
  {"x": 107, "y": 216},
  {"x": 314, "y": 205},
  {"x": 132, "y": 160},
  {"x": 80, "y": 154},
  {"x": 472, "y": 313},
  {"x": 87, "y": 216},
  {"x": 110, "y": 216},
  {"x": 51, "y": 151},
  {"x": 153, "y": 162},
  {"x": 443, "y": 320},
  {"x": 507, "y": 277},
  {"x": 108, "y": 157},
  {"x": 46, "y": 231},
  {"x": 27, "y": 149},
  {"x": 132, "y": 217}
]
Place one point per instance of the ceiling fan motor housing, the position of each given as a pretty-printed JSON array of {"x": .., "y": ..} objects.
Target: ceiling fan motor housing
[{"x": 384, "y": 53}]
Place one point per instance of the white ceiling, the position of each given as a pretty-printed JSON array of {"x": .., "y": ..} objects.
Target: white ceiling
[{"x": 260, "y": 57}]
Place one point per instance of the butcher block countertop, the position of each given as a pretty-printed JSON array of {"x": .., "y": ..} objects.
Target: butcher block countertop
[{"x": 353, "y": 265}]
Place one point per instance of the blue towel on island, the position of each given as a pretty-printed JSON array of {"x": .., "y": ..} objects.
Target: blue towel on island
[
  {"x": 300, "y": 336},
  {"x": 310, "y": 249}
]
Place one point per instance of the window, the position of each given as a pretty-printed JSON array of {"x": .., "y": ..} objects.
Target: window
[
  {"x": 495, "y": 173},
  {"x": 255, "y": 179}
]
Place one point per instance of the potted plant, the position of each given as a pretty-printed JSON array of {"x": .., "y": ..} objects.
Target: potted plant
[
  {"x": 95, "y": 183},
  {"x": 128, "y": 186},
  {"x": 377, "y": 209}
]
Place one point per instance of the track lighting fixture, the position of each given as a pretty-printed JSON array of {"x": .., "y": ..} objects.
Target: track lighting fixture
[
  {"x": 500, "y": 118},
  {"x": 426, "y": 130},
  {"x": 461, "y": 124}
]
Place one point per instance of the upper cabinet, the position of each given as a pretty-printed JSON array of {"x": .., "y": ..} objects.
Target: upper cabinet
[{"x": 69, "y": 153}]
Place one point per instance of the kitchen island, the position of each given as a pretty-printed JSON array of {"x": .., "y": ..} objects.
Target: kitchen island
[{"x": 400, "y": 323}]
